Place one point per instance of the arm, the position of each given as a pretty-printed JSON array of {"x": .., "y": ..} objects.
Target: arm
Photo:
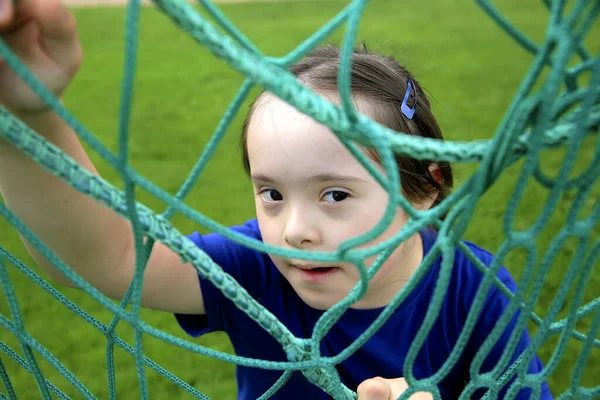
[{"x": 93, "y": 240}]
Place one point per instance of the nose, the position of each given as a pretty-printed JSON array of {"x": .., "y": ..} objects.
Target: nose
[{"x": 301, "y": 230}]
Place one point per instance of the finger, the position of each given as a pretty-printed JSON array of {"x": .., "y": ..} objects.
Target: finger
[
  {"x": 56, "y": 21},
  {"x": 6, "y": 12},
  {"x": 59, "y": 34},
  {"x": 56, "y": 29},
  {"x": 374, "y": 389},
  {"x": 52, "y": 17}
]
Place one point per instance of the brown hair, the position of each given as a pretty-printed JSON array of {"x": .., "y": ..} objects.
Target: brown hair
[{"x": 382, "y": 81}]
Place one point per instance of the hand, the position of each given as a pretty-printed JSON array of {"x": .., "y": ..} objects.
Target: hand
[
  {"x": 43, "y": 34},
  {"x": 387, "y": 389}
]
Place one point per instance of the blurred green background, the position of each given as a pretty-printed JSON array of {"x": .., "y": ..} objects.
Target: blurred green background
[{"x": 470, "y": 68}]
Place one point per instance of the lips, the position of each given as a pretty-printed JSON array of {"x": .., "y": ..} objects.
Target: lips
[
  {"x": 315, "y": 274},
  {"x": 313, "y": 267}
]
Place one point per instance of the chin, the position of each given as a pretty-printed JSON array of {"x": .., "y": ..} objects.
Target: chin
[
  {"x": 318, "y": 301},
  {"x": 318, "y": 304},
  {"x": 322, "y": 295}
]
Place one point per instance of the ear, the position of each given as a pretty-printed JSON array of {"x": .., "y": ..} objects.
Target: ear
[{"x": 436, "y": 172}]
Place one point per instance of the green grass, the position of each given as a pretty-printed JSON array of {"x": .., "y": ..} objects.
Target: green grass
[{"x": 470, "y": 68}]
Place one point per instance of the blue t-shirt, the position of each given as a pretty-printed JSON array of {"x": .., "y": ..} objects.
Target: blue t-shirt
[{"x": 383, "y": 355}]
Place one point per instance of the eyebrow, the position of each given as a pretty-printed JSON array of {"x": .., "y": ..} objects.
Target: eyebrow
[{"x": 320, "y": 178}]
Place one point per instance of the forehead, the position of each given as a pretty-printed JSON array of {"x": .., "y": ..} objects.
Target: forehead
[{"x": 279, "y": 136}]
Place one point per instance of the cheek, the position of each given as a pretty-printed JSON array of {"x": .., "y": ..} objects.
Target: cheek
[
  {"x": 362, "y": 220},
  {"x": 369, "y": 220},
  {"x": 375, "y": 206},
  {"x": 366, "y": 213},
  {"x": 270, "y": 234},
  {"x": 268, "y": 229},
  {"x": 391, "y": 231}
]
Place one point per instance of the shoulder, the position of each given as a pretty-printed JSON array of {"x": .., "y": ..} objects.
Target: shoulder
[
  {"x": 230, "y": 249},
  {"x": 232, "y": 244},
  {"x": 249, "y": 268},
  {"x": 249, "y": 229},
  {"x": 469, "y": 286},
  {"x": 469, "y": 265},
  {"x": 472, "y": 262}
]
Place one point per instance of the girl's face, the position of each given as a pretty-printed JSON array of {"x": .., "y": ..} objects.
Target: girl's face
[{"x": 312, "y": 194}]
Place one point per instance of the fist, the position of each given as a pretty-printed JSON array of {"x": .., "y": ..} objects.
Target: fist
[
  {"x": 43, "y": 34},
  {"x": 387, "y": 389}
]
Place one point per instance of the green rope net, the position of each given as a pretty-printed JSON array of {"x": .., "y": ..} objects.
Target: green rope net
[{"x": 558, "y": 113}]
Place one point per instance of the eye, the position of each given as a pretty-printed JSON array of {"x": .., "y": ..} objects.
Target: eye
[
  {"x": 335, "y": 196},
  {"x": 271, "y": 195}
]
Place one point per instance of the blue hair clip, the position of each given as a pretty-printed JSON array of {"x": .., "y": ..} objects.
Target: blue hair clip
[{"x": 406, "y": 110}]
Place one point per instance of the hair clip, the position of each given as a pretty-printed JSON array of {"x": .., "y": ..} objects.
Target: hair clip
[{"x": 406, "y": 110}]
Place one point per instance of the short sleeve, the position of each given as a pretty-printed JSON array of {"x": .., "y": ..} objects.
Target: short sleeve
[
  {"x": 247, "y": 266},
  {"x": 493, "y": 309}
]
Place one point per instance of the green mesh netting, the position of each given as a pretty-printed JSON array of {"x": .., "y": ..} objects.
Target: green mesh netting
[{"x": 558, "y": 113}]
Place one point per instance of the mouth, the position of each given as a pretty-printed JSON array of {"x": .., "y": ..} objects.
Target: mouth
[{"x": 315, "y": 273}]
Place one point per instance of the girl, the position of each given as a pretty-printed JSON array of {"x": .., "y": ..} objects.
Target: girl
[{"x": 311, "y": 194}]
